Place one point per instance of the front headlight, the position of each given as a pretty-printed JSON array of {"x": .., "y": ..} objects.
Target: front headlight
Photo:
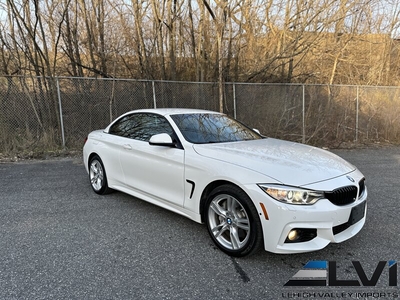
[{"x": 292, "y": 195}]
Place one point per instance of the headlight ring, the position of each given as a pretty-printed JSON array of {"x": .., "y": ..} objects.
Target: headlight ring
[{"x": 292, "y": 195}]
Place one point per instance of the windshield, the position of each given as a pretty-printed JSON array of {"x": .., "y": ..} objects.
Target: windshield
[{"x": 212, "y": 128}]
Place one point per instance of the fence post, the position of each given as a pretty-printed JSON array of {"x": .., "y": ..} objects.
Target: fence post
[
  {"x": 357, "y": 108},
  {"x": 61, "y": 114},
  {"x": 154, "y": 95},
  {"x": 304, "y": 115},
  {"x": 234, "y": 100}
]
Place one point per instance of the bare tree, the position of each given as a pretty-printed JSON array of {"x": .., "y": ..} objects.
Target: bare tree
[
  {"x": 71, "y": 38},
  {"x": 138, "y": 14},
  {"x": 158, "y": 10},
  {"x": 325, "y": 41}
]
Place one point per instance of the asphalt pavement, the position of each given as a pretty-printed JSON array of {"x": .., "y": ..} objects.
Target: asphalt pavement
[{"x": 59, "y": 240}]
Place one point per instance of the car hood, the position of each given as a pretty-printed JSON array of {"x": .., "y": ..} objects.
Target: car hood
[{"x": 287, "y": 162}]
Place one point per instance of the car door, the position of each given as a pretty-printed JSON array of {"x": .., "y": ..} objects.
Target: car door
[{"x": 156, "y": 171}]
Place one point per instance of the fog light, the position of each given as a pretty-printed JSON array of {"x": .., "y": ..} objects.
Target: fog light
[
  {"x": 293, "y": 235},
  {"x": 301, "y": 235}
]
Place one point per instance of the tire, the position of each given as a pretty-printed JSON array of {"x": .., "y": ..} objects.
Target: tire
[
  {"x": 97, "y": 176},
  {"x": 232, "y": 221}
]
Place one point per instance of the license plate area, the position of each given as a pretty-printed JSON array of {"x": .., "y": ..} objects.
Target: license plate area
[{"x": 357, "y": 213}]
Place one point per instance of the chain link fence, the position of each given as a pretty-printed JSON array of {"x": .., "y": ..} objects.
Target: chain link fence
[{"x": 45, "y": 114}]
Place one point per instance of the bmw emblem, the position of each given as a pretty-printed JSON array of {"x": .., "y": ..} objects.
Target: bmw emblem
[{"x": 350, "y": 178}]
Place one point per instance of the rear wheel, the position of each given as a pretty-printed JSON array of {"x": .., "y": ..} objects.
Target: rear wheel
[
  {"x": 97, "y": 176},
  {"x": 232, "y": 221}
]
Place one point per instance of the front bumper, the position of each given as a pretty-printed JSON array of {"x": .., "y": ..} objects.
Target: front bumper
[{"x": 332, "y": 223}]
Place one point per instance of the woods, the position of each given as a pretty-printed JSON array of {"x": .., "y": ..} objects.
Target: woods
[
  {"x": 322, "y": 72},
  {"x": 290, "y": 41}
]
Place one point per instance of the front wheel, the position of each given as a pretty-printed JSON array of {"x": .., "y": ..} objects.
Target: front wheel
[
  {"x": 97, "y": 176},
  {"x": 232, "y": 221}
]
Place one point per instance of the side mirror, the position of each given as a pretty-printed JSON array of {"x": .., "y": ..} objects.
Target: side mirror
[{"x": 161, "y": 139}]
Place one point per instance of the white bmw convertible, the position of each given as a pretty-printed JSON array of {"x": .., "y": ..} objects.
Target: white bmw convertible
[{"x": 250, "y": 191}]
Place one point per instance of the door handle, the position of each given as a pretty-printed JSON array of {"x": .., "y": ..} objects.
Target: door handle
[{"x": 127, "y": 147}]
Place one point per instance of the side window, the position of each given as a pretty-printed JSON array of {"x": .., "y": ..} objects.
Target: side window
[
  {"x": 123, "y": 126},
  {"x": 141, "y": 126}
]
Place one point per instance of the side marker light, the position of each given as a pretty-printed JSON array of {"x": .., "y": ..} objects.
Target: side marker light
[{"x": 264, "y": 211}]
